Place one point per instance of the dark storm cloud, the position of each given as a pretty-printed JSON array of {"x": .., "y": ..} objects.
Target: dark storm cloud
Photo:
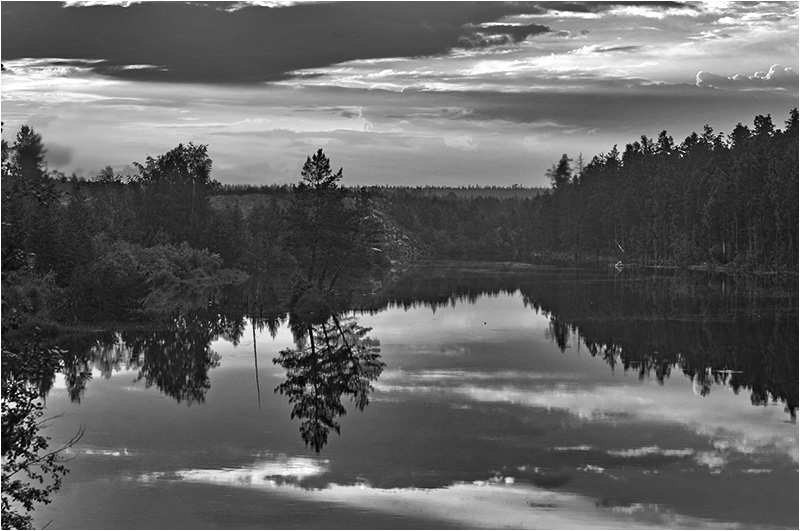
[
  {"x": 199, "y": 43},
  {"x": 597, "y": 7}
]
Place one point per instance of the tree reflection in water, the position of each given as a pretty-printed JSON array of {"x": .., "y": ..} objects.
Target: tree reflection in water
[
  {"x": 713, "y": 331},
  {"x": 739, "y": 332},
  {"x": 333, "y": 358},
  {"x": 177, "y": 360},
  {"x": 755, "y": 354}
]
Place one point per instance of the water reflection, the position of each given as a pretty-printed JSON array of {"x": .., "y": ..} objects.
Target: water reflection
[
  {"x": 495, "y": 502},
  {"x": 333, "y": 358},
  {"x": 758, "y": 355},
  {"x": 175, "y": 358},
  {"x": 270, "y": 470},
  {"x": 504, "y": 428},
  {"x": 741, "y": 333}
]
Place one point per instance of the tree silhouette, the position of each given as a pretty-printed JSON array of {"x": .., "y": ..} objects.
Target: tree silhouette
[
  {"x": 29, "y": 154},
  {"x": 334, "y": 358},
  {"x": 560, "y": 174},
  {"x": 175, "y": 194},
  {"x": 328, "y": 228}
]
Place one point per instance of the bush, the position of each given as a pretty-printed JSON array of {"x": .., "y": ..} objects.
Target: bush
[
  {"x": 31, "y": 297},
  {"x": 127, "y": 280}
]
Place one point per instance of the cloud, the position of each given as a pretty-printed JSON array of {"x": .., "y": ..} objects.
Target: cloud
[
  {"x": 461, "y": 142},
  {"x": 498, "y": 34},
  {"x": 655, "y": 10},
  {"x": 778, "y": 77},
  {"x": 711, "y": 35},
  {"x": 252, "y": 44},
  {"x": 366, "y": 124},
  {"x": 58, "y": 155},
  {"x": 745, "y": 15},
  {"x": 268, "y": 472},
  {"x": 235, "y": 6},
  {"x": 90, "y": 3},
  {"x": 651, "y": 450},
  {"x": 485, "y": 504},
  {"x": 712, "y": 460},
  {"x": 590, "y": 10},
  {"x": 752, "y": 434},
  {"x": 570, "y": 35},
  {"x": 598, "y": 48}
]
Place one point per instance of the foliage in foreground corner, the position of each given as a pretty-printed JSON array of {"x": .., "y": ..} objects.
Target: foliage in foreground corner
[{"x": 30, "y": 471}]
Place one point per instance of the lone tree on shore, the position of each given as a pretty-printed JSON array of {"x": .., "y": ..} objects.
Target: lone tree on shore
[{"x": 328, "y": 228}]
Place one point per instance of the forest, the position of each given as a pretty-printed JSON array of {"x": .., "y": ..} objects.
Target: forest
[
  {"x": 117, "y": 247},
  {"x": 712, "y": 200},
  {"x": 715, "y": 201}
]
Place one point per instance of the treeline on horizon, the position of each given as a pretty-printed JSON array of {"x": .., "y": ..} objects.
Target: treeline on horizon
[
  {"x": 714, "y": 200},
  {"x": 121, "y": 245},
  {"x": 515, "y": 190}
]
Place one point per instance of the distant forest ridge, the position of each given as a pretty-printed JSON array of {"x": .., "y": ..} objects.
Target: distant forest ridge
[
  {"x": 714, "y": 200},
  {"x": 438, "y": 191}
]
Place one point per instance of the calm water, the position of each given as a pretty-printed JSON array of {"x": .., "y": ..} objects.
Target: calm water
[{"x": 511, "y": 397}]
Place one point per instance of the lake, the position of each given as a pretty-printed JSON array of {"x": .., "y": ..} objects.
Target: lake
[{"x": 511, "y": 396}]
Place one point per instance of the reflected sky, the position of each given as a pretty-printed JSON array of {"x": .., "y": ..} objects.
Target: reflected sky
[
  {"x": 478, "y": 420},
  {"x": 493, "y": 503},
  {"x": 265, "y": 473},
  {"x": 568, "y": 382}
]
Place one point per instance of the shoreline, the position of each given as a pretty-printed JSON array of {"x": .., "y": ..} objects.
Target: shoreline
[{"x": 551, "y": 262}]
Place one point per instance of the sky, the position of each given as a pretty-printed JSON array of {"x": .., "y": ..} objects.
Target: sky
[{"x": 406, "y": 93}]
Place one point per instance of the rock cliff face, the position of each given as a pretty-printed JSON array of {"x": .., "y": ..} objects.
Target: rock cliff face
[{"x": 398, "y": 244}]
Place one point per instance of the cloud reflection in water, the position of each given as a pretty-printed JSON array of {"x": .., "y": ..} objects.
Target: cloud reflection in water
[
  {"x": 730, "y": 429},
  {"x": 496, "y": 503},
  {"x": 266, "y": 473}
]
